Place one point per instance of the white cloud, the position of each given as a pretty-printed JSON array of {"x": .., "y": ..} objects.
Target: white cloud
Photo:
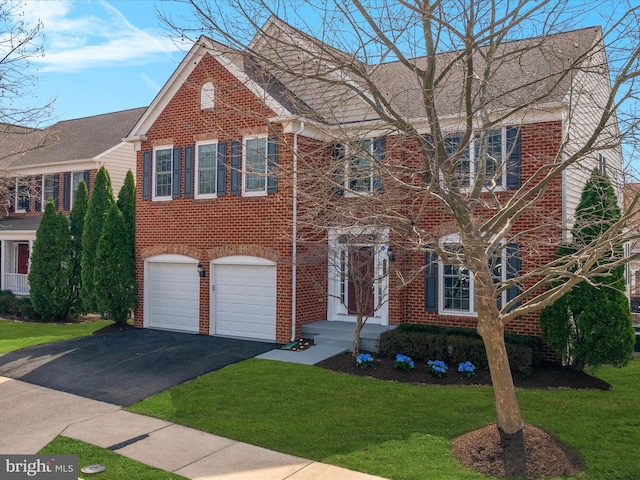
[{"x": 86, "y": 35}]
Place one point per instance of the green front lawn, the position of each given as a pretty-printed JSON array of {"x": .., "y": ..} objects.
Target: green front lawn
[
  {"x": 395, "y": 430},
  {"x": 16, "y": 335},
  {"x": 117, "y": 466}
]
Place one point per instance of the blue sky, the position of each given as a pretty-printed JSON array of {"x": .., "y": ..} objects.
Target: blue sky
[{"x": 102, "y": 56}]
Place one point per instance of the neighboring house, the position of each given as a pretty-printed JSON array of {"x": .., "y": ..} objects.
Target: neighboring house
[
  {"x": 633, "y": 248},
  {"x": 216, "y": 247},
  {"x": 47, "y": 165}
]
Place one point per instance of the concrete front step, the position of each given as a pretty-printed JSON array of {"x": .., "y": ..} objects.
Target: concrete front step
[{"x": 341, "y": 334}]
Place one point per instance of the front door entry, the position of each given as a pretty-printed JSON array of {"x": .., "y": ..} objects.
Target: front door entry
[{"x": 360, "y": 279}]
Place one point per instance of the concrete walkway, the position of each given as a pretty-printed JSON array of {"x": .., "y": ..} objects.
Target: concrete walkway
[{"x": 31, "y": 416}]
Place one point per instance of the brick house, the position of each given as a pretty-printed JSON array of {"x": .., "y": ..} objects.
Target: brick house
[
  {"x": 217, "y": 209},
  {"x": 47, "y": 165}
]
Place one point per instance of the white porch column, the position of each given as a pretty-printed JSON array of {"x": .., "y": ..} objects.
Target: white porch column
[{"x": 3, "y": 258}]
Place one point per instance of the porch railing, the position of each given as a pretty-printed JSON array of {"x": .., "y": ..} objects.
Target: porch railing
[{"x": 18, "y": 283}]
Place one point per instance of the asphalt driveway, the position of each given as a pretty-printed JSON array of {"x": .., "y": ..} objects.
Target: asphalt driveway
[{"x": 125, "y": 367}]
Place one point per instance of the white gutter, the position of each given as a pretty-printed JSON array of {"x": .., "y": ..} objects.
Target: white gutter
[{"x": 294, "y": 231}]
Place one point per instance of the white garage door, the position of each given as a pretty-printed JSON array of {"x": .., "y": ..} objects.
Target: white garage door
[
  {"x": 172, "y": 296},
  {"x": 243, "y": 300}
]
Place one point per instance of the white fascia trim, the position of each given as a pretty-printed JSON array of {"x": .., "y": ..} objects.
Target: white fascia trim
[
  {"x": 58, "y": 167},
  {"x": 202, "y": 47}
]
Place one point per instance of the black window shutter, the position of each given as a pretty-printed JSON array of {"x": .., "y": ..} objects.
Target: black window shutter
[
  {"x": 431, "y": 282},
  {"x": 12, "y": 195},
  {"x": 337, "y": 159},
  {"x": 514, "y": 266},
  {"x": 221, "y": 172},
  {"x": 56, "y": 194},
  {"x": 514, "y": 158},
  {"x": 39, "y": 193},
  {"x": 66, "y": 197},
  {"x": 188, "y": 171},
  {"x": 176, "y": 161},
  {"x": 146, "y": 175},
  {"x": 236, "y": 160},
  {"x": 272, "y": 165},
  {"x": 379, "y": 145}
]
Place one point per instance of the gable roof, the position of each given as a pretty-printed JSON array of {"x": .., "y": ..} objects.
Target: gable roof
[
  {"x": 535, "y": 70},
  {"x": 78, "y": 139},
  {"x": 237, "y": 63}
]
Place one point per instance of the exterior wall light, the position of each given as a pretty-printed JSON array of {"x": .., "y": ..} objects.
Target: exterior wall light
[{"x": 201, "y": 271}]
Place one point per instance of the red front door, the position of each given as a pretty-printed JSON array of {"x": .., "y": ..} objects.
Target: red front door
[
  {"x": 23, "y": 258},
  {"x": 360, "y": 280}
]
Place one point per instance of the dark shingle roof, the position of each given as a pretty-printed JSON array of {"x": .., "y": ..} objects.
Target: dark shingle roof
[
  {"x": 77, "y": 139},
  {"x": 22, "y": 224}
]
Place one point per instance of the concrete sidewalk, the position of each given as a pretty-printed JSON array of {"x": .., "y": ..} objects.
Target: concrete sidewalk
[{"x": 32, "y": 416}]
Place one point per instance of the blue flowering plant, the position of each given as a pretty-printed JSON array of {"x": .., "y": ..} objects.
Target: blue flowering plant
[
  {"x": 404, "y": 362},
  {"x": 467, "y": 369},
  {"x": 437, "y": 367},
  {"x": 364, "y": 360}
]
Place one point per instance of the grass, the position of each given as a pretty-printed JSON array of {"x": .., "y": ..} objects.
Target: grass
[
  {"x": 398, "y": 431},
  {"x": 117, "y": 466},
  {"x": 16, "y": 335}
]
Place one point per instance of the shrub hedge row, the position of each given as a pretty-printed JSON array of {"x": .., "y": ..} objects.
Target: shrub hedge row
[
  {"x": 19, "y": 307},
  {"x": 456, "y": 345}
]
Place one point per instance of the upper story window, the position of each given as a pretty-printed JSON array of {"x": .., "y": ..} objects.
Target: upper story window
[
  {"x": 206, "y": 96},
  {"x": 23, "y": 194},
  {"x": 357, "y": 166},
  {"x": 49, "y": 190},
  {"x": 76, "y": 178},
  {"x": 255, "y": 166},
  {"x": 602, "y": 164},
  {"x": 162, "y": 173},
  {"x": 501, "y": 155},
  {"x": 206, "y": 168}
]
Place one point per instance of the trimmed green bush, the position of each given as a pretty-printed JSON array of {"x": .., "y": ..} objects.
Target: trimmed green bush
[
  {"x": 99, "y": 204},
  {"x": 49, "y": 274},
  {"x": 14, "y": 306},
  {"x": 115, "y": 270},
  {"x": 78, "y": 214},
  {"x": 454, "y": 346}
]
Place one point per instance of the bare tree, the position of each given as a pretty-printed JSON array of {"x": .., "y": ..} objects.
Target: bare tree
[
  {"x": 454, "y": 87},
  {"x": 21, "y": 111}
]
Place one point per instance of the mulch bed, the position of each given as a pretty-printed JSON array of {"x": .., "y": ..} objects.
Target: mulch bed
[{"x": 481, "y": 450}]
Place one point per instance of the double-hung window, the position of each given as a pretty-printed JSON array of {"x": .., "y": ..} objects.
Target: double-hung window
[
  {"x": 23, "y": 194},
  {"x": 206, "y": 168},
  {"x": 76, "y": 178},
  {"x": 255, "y": 166},
  {"x": 359, "y": 167},
  {"x": 486, "y": 154},
  {"x": 450, "y": 286},
  {"x": 356, "y": 167},
  {"x": 49, "y": 187},
  {"x": 162, "y": 173}
]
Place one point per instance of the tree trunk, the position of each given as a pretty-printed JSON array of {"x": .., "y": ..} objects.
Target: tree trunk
[
  {"x": 509, "y": 420},
  {"x": 356, "y": 337}
]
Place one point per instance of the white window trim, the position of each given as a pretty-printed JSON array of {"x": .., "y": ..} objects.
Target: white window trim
[
  {"x": 261, "y": 192},
  {"x": 197, "y": 169},
  {"x": 472, "y": 312},
  {"x": 72, "y": 190},
  {"x": 44, "y": 200},
  {"x": 472, "y": 162},
  {"x": 347, "y": 165},
  {"x": 16, "y": 196},
  {"x": 154, "y": 197}
]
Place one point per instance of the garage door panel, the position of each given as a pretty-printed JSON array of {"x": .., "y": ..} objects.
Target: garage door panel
[
  {"x": 173, "y": 297},
  {"x": 243, "y": 304}
]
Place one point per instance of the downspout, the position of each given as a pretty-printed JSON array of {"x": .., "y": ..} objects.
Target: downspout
[{"x": 294, "y": 232}]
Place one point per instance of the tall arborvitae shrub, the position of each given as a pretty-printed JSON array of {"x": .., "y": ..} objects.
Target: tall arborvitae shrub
[
  {"x": 99, "y": 205},
  {"x": 127, "y": 205},
  {"x": 49, "y": 273},
  {"x": 591, "y": 325},
  {"x": 114, "y": 276},
  {"x": 78, "y": 213}
]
